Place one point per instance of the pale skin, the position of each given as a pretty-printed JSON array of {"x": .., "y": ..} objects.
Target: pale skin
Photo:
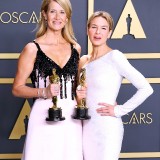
[
  {"x": 98, "y": 33},
  {"x": 53, "y": 45}
]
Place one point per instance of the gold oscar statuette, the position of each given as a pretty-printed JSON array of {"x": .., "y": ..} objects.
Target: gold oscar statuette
[
  {"x": 54, "y": 113},
  {"x": 81, "y": 110}
]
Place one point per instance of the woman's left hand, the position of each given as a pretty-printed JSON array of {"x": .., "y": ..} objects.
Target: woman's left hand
[{"x": 106, "y": 109}]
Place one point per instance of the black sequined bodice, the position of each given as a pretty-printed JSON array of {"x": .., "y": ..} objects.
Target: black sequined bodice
[{"x": 43, "y": 67}]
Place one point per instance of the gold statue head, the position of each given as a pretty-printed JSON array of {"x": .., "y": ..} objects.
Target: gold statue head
[{"x": 54, "y": 78}]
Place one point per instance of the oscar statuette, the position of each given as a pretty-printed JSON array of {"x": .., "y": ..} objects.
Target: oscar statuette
[
  {"x": 81, "y": 110},
  {"x": 54, "y": 113}
]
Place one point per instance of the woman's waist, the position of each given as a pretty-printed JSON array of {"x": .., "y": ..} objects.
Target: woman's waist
[{"x": 95, "y": 99}]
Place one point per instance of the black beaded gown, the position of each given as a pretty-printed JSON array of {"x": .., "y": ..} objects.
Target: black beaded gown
[{"x": 54, "y": 140}]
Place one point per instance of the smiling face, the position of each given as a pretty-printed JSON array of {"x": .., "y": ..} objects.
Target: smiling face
[
  {"x": 56, "y": 16},
  {"x": 99, "y": 31}
]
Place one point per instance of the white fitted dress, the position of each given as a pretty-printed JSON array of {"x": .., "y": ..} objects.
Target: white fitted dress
[{"x": 103, "y": 135}]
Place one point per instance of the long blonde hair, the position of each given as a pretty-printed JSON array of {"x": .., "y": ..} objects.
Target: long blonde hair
[{"x": 67, "y": 31}]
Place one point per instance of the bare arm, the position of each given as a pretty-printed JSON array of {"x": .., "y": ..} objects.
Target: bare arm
[
  {"x": 24, "y": 69},
  {"x": 25, "y": 66}
]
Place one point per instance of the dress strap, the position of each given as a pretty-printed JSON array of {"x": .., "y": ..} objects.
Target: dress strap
[
  {"x": 37, "y": 45},
  {"x": 71, "y": 46}
]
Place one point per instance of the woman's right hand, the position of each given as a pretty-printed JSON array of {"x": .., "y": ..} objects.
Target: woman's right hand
[
  {"x": 81, "y": 92},
  {"x": 52, "y": 90}
]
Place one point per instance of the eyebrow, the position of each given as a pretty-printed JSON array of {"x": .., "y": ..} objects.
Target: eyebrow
[
  {"x": 57, "y": 10},
  {"x": 101, "y": 26}
]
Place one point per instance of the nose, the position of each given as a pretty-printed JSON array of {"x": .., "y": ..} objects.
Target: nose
[
  {"x": 57, "y": 15},
  {"x": 98, "y": 31}
]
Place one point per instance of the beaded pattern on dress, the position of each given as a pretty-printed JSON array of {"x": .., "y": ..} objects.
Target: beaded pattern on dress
[{"x": 43, "y": 68}]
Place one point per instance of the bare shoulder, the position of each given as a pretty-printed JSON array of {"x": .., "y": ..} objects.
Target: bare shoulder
[
  {"x": 84, "y": 60},
  {"x": 29, "y": 49},
  {"x": 77, "y": 47}
]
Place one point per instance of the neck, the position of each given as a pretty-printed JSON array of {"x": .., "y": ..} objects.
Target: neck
[
  {"x": 54, "y": 38},
  {"x": 99, "y": 51}
]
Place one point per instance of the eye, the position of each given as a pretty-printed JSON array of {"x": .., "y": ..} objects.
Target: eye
[
  {"x": 62, "y": 12},
  {"x": 104, "y": 28},
  {"x": 93, "y": 27},
  {"x": 53, "y": 11}
]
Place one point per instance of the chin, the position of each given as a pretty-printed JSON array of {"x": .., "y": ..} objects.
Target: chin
[
  {"x": 96, "y": 44},
  {"x": 57, "y": 28}
]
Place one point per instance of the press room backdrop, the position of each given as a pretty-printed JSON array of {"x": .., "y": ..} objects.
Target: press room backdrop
[{"x": 136, "y": 34}]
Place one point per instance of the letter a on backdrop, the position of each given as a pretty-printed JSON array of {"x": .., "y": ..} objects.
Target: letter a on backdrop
[
  {"x": 135, "y": 27},
  {"x": 21, "y": 123}
]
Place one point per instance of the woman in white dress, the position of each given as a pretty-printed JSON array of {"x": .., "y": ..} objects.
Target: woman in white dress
[
  {"x": 105, "y": 69},
  {"x": 53, "y": 48}
]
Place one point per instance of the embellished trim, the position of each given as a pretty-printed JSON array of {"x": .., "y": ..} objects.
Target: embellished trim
[{"x": 43, "y": 68}]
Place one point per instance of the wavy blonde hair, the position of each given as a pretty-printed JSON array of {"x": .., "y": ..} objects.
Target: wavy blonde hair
[{"x": 67, "y": 31}]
